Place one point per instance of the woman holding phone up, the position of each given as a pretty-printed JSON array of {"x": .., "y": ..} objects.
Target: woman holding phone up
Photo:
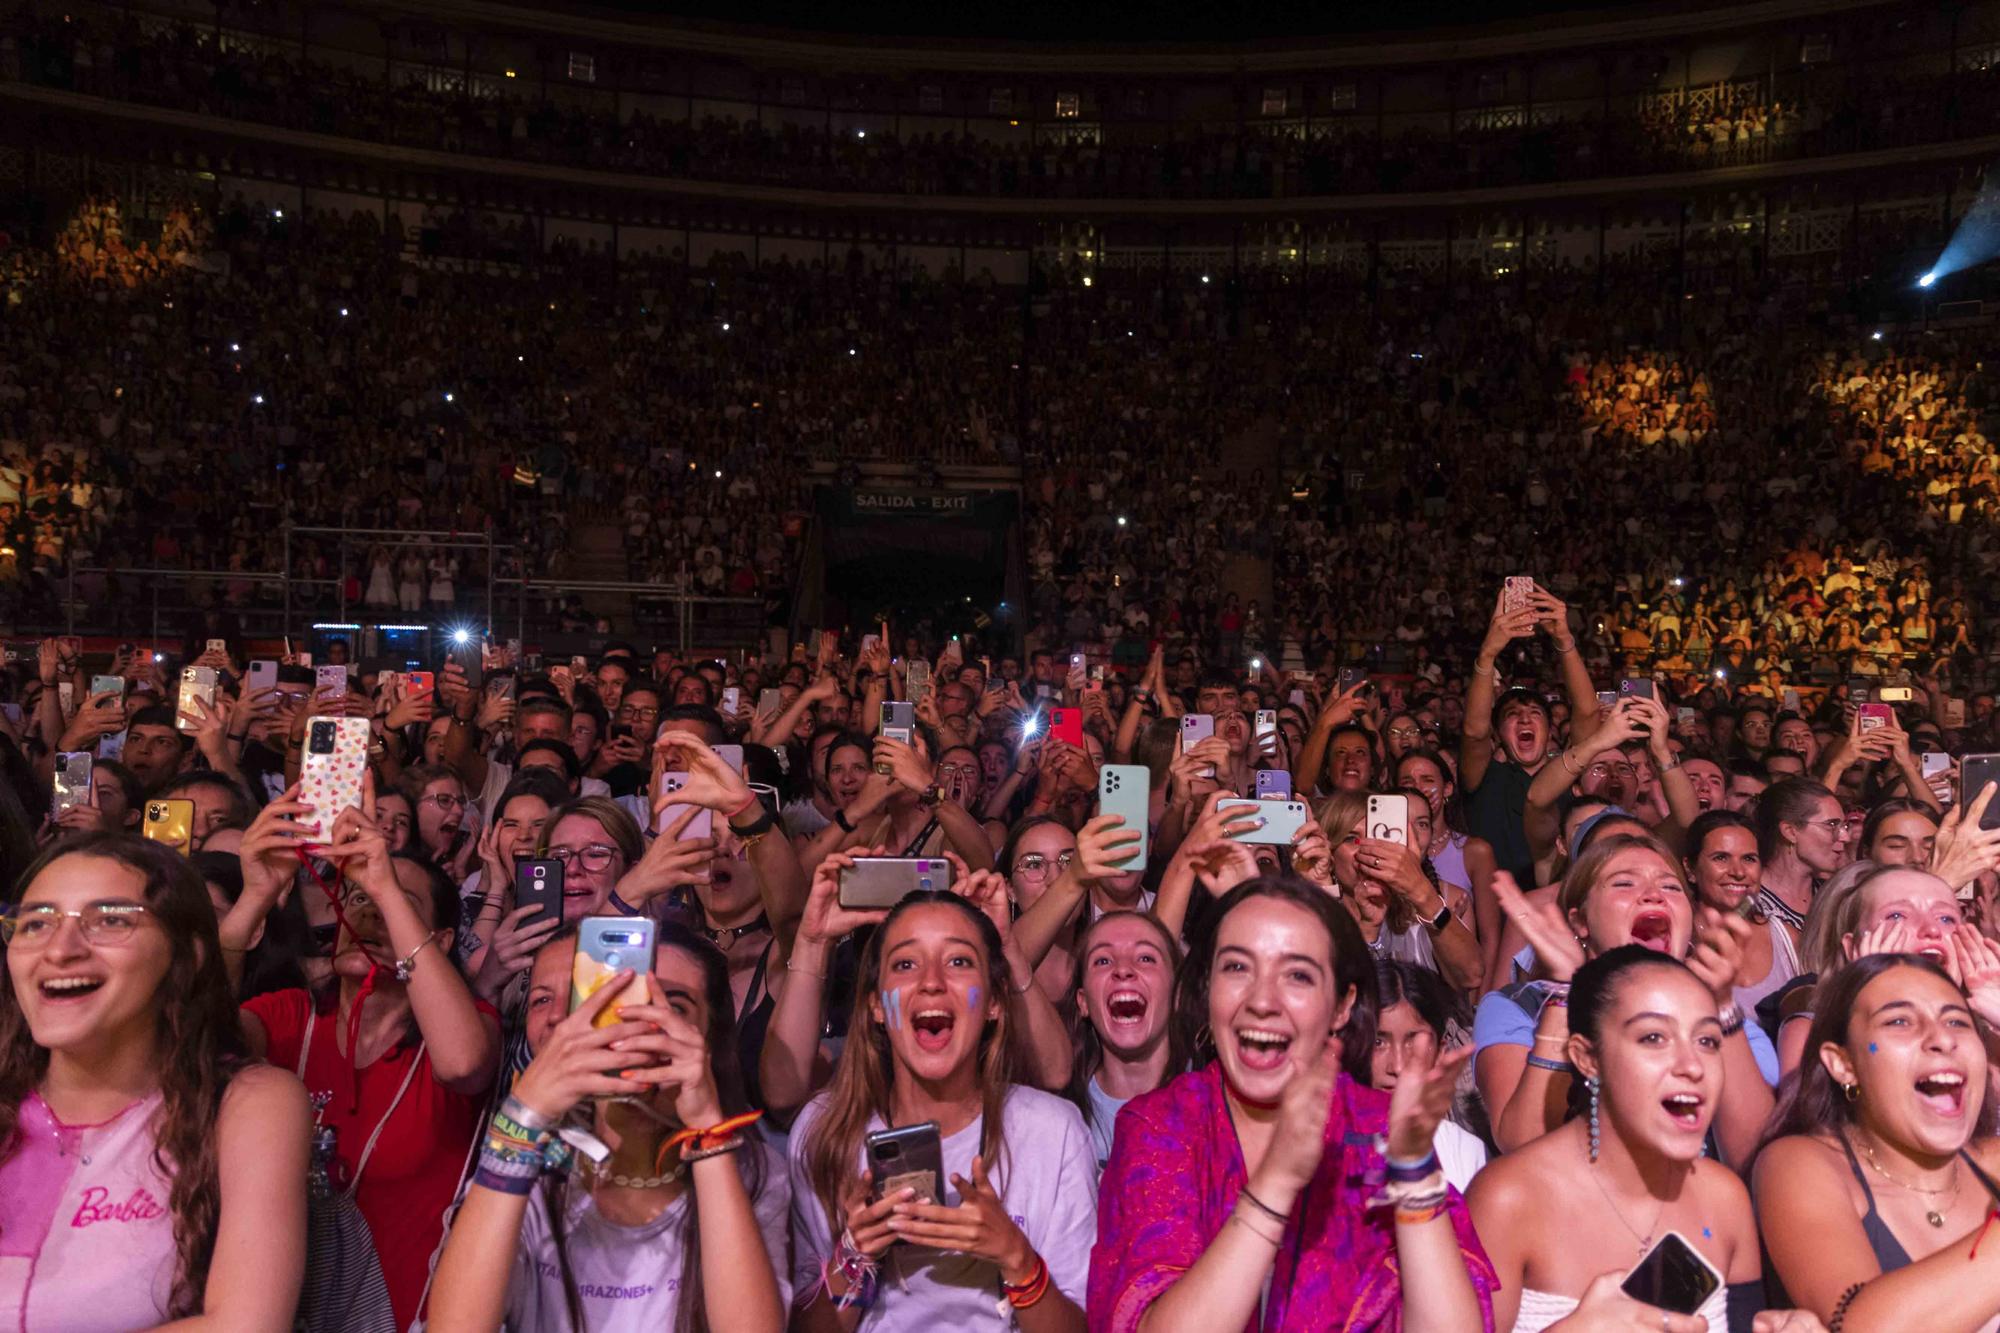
[
  {"x": 663, "y": 1235},
  {"x": 934, "y": 1047}
]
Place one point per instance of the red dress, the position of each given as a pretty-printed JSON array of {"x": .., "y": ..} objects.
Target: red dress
[{"x": 413, "y": 1171}]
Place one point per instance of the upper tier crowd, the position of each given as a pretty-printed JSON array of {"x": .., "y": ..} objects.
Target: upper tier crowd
[
  {"x": 170, "y": 390},
  {"x": 188, "y": 66}
]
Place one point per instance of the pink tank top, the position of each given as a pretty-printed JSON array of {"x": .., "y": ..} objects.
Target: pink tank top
[{"x": 86, "y": 1238}]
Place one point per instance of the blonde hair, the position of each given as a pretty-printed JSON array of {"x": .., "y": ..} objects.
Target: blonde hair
[{"x": 1589, "y": 870}]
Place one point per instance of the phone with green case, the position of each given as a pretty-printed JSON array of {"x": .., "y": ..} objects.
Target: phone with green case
[{"x": 1125, "y": 790}]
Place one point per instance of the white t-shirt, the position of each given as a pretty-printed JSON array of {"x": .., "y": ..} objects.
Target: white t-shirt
[
  {"x": 628, "y": 1278},
  {"x": 1047, "y": 1179}
]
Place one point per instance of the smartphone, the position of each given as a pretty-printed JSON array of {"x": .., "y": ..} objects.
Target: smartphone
[
  {"x": 1266, "y": 735},
  {"x": 263, "y": 675},
  {"x": 1352, "y": 676},
  {"x": 899, "y": 723},
  {"x": 1076, "y": 661},
  {"x": 1895, "y": 694},
  {"x": 732, "y": 699},
  {"x": 703, "y": 823},
  {"x": 1388, "y": 818},
  {"x": 1790, "y": 701},
  {"x": 72, "y": 781},
  {"x": 1515, "y": 593},
  {"x": 1683, "y": 716},
  {"x": 539, "y": 884},
  {"x": 731, "y": 755},
  {"x": 1974, "y": 772},
  {"x": 218, "y": 646},
  {"x": 1873, "y": 717},
  {"x": 1279, "y": 823},
  {"x": 1125, "y": 790},
  {"x": 330, "y": 681},
  {"x": 1934, "y": 762},
  {"x": 501, "y": 685},
  {"x": 1196, "y": 728},
  {"x": 197, "y": 683},
  {"x": 868, "y": 642},
  {"x": 917, "y": 675},
  {"x": 605, "y": 946},
  {"x": 1066, "y": 725},
  {"x": 1673, "y": 1276},
  {"x": 908, "y": 1158},
  {"x": 770, "y": 703},
  {"x": 1274, "y": 784},
  {"x": 66, "y": 696},
  {"x": 1607, "y": 700},
  {"x": 418, "y": 683},
  {"x": 471, "y": 658},
  {"x": 1857, "y": 691},
  {"x": 171, "y": 822},
  {"x": 874, "y": 882},
  {"x": 1635, "y": 687},
  {"x": 335, "y": 761}
]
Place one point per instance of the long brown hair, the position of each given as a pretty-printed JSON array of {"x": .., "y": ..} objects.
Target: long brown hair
[
  {"x": 198, "y": 1043},
  {"x": 862, "y": 1081},
  {"x": 1083, "y": 1033}
]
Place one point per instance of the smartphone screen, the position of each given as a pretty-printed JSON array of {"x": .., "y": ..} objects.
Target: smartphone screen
[{"x": 1673, "y": 1276}]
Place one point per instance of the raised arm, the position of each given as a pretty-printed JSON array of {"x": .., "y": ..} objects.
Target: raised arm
[
  {"x": 1475, "y": 745},
  {"x": 789, "y": 1068}
]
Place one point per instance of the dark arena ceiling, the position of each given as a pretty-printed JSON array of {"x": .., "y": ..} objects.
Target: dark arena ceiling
[{"x": 1125, "y": 22}]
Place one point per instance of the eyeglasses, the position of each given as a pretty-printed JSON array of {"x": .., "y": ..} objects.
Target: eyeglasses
[
  {"x": 1622, "y": 770},
  {"x": 638, "y": 710},
  {"x": 101, "y": 923},
  {"x": 1405, "y": 733},
  {"x": 958, "y": 770},
  {"x": 1834, "y": 827},
  {"x": 597, "y": 856},
  {"x": 444, "y": 800},
  {"x": 1034, "y": 863}
]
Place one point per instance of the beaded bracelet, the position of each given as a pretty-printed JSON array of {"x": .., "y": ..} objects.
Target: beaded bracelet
[
  {"x": 1553, "y": 1066},
  {"x": 856, "y": 1269}
]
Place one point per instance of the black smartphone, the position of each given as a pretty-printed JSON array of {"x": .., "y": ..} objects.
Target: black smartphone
[
  {"x": 911, "y": 1157},
  {"x": 1974, "y": 772},
  {"x": 1673, "y": 1276},
  {"x": 539, "y": 884}
]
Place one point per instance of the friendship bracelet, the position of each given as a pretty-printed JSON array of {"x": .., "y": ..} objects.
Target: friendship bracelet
[
  {"x": 1418, "y": 1216},
  {"x": 1266, "y": 1209},
  {"x": 1419, "y": 1169},
  {"x": 1027, "y": 1293},
  {"x": 728, "y": 1145},
  {"x": 701, "y": 1140},
  {"x": 1553, "y": 1066},
  {"x": 1237, "y": 1216}
]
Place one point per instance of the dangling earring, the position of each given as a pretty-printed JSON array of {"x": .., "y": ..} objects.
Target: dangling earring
[{"x": 1592, "y": 1084}]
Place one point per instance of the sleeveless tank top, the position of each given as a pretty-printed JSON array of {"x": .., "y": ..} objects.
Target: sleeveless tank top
[
  {"x": 86, "y": 1237},
  {"x": 1539, "y": 1309}
]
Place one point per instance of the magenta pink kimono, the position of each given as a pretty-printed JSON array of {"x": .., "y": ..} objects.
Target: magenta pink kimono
[{"x": 1174, "y": 1175}]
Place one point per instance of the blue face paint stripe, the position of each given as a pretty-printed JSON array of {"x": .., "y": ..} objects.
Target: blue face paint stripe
[
  {"x": 892, "y": 1007},
  {"x": 972, "y": 994}
]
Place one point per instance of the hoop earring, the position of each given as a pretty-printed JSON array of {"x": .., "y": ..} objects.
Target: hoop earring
[
  {"x": 1594, "y": 1087},
  {"x": 1852, "y": 1091}
]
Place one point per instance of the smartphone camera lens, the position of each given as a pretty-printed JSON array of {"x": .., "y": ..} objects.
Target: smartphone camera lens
[
  {"x": 322, "y": 738},
  {"x": 156, "y": 813}
]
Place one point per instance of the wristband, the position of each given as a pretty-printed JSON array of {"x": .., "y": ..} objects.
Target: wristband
[
  {"x": 756, "y": 828},
  {"x": 620, "y": 906},
  {"x": 1731, "y": 1015},
  {"x": 524, "y": 1115},
  {"x": 840, "y": 818},
  {"x": 1553, "y": 1066},
  {"x": 1411, "y": 1170}
]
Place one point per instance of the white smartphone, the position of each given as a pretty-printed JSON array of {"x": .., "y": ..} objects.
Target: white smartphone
[{"x": 1389, "y": 818}]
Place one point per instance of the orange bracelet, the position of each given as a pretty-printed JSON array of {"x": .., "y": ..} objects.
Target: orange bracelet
[
  {"x": 1031, "y": 1291},
  {"x": 711, "y": 1137}
]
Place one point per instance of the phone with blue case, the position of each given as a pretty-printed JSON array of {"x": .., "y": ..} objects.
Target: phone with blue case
[
  {"x": 1125, "y": 790},
  {"x": 1282, "y": 820}
]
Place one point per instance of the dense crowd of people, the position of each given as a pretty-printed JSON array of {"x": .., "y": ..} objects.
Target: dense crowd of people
[
  {"x": 189, "y": 66},
  {"x": 1026, "y": 995}
]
